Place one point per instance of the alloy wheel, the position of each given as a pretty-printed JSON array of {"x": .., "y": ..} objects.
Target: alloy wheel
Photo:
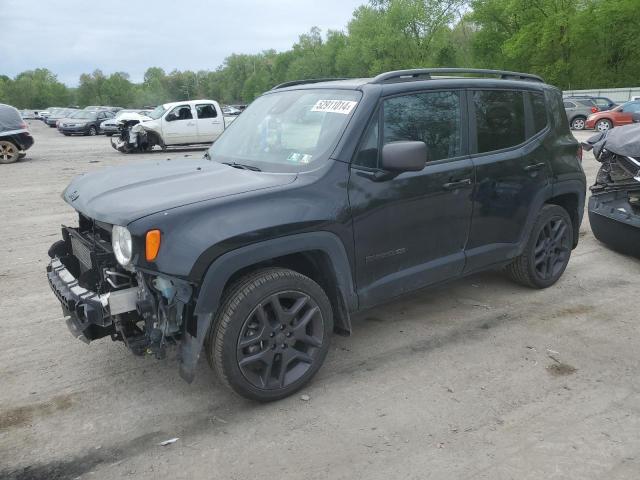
[
  {"x": 552, "y": 248},
  {"x": 578, "y": 124},
  {"x": 603, "y": 126},
  {"x": 8, "y": 152},
  {"x": 279, "y": 340}
]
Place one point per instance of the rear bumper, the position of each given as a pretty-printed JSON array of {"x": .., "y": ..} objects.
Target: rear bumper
[
  {"x": 89, "y": 315},
  {"x": 23, "y": 140},
  {"x": 614, "y": 222},
  {"x": 83, "y": 129}
]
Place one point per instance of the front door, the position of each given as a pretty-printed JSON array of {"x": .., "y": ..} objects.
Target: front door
[
  {"x": 210, "y": 124},
  {"x": 179, "y": 126},
  {"x": 410, "y": 229}
]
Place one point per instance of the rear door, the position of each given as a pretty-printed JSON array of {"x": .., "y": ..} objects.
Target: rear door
[
  {"x": 512, "y": 171},
  {"x": 209, "y": 121},
  {"x": 410, "y": 229},
  {"x": 179, "y": 126}
]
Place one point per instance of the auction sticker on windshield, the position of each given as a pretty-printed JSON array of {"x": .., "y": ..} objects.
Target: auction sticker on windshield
[{"x": 334, "y": 106}]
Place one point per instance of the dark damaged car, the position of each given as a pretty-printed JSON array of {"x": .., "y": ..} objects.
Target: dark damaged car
[
  {"x": 15, "y": 137},
  {"x": 323, "y": 198},
  {"x": 614, "y": 206}
]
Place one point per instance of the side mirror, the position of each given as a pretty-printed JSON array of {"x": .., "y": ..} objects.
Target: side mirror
[
  {"x": 404, "y": 156},
  {"x": 171, "y": 117}
]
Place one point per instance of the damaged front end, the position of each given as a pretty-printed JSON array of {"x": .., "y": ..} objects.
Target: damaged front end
[
  {"x": 133, "y": 137},
  {"x": 101, "y": 298},
  {"x": 614, "y": 206}
]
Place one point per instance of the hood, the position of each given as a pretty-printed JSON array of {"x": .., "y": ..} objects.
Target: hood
[{"x": 120, "y": 195}]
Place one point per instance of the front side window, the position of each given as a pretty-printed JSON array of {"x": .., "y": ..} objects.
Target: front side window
[
  {"x": 499, "y": 116},
  {"x": 287, "y": 131},
  {"x": 568, "y": 105},
  {"x": 432, "y": 117},
  {"x": 181, "y": 112},
  {"x": 206, "y": 110}
]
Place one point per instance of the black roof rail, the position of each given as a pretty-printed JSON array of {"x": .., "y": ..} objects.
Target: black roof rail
[
  {"x": 427, "y": 72},
  {"x": 302, "y": 82}
]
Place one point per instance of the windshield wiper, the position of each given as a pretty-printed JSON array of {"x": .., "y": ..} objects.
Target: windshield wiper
[{"x": 242, "y": 166}]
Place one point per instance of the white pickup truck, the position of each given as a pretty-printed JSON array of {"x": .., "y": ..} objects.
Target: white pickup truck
[{"x": 172, "y": 124}]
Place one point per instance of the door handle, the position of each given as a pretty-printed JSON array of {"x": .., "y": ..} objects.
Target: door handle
[
  {"x": 190, "y": 124},
  {"x": 216, "y": 122},
  {"x": 534, "y": 167},
  {"x": 456, "y": 184}
]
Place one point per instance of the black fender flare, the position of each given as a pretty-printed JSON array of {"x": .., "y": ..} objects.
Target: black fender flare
[
  {"x": 552, "y": 190},
  {"x": 223, "y": 268}
]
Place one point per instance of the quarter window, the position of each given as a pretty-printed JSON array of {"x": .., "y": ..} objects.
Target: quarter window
[
  {"x": 539, "y": 110},
  {"x": 206, "y": 110},
  {"x": 432, "y": 117},
  {"x": 499, "y": 119},
  {"x": 368, "y": 153}
]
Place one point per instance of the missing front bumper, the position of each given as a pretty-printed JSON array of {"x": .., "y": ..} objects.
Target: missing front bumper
[{"x": 89, "y": 315}]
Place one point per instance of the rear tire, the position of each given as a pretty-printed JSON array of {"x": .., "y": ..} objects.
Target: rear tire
[
  {"x": 9, "y": 152},
  {"x": 578, "y": 123},
  {"x": 93, "y": 131},
  {"x": 547, "y": 252},
  {"x": 271, "y": 334}
]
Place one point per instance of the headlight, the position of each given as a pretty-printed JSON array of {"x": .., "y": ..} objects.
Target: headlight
[{"x": 121, "y": 243}]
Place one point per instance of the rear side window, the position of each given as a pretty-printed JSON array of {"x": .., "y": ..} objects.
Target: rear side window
[
  {"x": 206, "y": 110},
  {"x": 432, "y": 117},
  {"x": 569, "y": 105},
  {"x": 586, "y": 103},
  {"x": 499, "y": 116},
  {"x": 539, "y": 111}
]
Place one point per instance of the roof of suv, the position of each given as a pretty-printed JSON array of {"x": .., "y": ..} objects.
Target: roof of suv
[{"x": 414, "y": 75}]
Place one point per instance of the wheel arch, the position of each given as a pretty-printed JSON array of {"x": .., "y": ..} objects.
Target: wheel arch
[
  {"x": 319, "y": 255},
  {"x": 570, "y": 195}
]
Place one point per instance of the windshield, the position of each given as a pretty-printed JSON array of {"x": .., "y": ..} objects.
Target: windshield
[
  {"x": 84, "y": 114},
  {"x": 287, "y": 131},
  {"x": 157, "y": 112}
]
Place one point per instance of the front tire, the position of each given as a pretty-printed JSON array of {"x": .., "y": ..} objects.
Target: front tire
[
  {"x": 271, "y": 334},
  {"x": 547, "y": 252},
  {"x": 93, "y": 131},
  {"x": 603, "y": 125}
]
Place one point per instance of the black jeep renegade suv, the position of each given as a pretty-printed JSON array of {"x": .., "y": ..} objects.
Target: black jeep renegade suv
[{"x": 321, "y": 199}]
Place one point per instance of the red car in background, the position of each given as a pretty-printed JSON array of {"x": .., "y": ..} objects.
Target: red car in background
[{"x": 621, "y": 115}]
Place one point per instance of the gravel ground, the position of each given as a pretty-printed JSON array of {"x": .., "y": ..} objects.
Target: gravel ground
[{"x": 479, "y": 379}]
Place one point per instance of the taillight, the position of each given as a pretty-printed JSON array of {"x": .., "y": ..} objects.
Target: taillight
[
  {"x": 24, "y": 125},
  {"x": 595, "y": 109},
  {"x": 580, "y": 153}
]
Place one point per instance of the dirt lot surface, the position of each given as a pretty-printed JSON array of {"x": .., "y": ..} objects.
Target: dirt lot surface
[{"x": 480, "y": 379}]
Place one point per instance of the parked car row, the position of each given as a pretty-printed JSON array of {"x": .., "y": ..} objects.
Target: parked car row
[{"x": 599, "y": 113}]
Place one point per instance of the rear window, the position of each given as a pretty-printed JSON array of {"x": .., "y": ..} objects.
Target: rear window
[{"x": 499, "y": 116}]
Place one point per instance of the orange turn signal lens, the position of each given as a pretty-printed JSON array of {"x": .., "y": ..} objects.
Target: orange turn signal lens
[{"x": 152, "y": 246}]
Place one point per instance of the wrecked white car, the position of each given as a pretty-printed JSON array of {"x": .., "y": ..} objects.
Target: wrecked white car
[{"x": 195, "y": 122}]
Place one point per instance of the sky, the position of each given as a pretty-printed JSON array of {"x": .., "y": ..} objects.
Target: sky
[{"x": 70, "y": 37}]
